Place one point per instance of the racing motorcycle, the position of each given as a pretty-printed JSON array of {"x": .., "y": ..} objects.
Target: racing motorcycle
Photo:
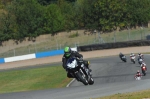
[
  {"x": 143, "y": 68},
  {"x": 132, "y": 59},
  {"x": 138, "y": 77},
  {"x": 80, "y": 72},
  {"x": 140, "y": 60},
  {"x": 123, "y": 58}
]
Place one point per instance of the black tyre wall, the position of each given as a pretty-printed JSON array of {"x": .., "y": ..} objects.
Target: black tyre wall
[{"x": 114, "y": 45}]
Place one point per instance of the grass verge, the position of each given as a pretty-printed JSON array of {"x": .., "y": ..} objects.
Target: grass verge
[
  {"x": 33, "y": 79},
  {"x": 134, "y": 95}
]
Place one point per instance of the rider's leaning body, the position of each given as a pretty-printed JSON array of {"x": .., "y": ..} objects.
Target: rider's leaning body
[
  {"x": 132, "y": 55},
  {"x": 144, "y": 64},
  {"x": 138, "y": 74},
  {"x": 121, "y": 55},
  {"x": 69, "y": 53}
]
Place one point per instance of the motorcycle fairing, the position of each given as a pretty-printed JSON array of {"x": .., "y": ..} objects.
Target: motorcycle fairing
[{"x": 72, "y": 63}]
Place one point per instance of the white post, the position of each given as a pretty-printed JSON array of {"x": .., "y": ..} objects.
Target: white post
[
  {"x": 141, "y": 31},
  {"x": 100, "y": 41},
  {"x": 114, "y": 37},
  {"x": 35, "y": 47},
  {"x": 128, "y": 33},
  {"x": 56, "y": 43},
  {"x": 60, "y": 46},
  {"x": 29, "y": 50},
  {"x": 14, "y": 53}
]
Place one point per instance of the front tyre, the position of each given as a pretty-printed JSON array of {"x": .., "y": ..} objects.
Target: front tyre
[
  {"x": 144, "y": 73},
  {"x": 91, "y": 81},
  {"x": 82, "y": 79},
  {"x": 125, "y": 60},
  {"x": 133, "y": 61},
  {"x": 138, "y": 78}
]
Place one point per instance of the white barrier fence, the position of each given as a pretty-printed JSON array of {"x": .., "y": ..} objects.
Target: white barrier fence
[{"x": 25, "y": 57}]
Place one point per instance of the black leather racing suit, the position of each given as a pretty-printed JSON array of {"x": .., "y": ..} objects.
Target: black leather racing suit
[{"x": 121, "y": 55}]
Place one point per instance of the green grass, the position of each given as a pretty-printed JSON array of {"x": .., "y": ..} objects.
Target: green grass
[
  {"x": 134, "y": 95},
  {"x": 33, "y": 79}
]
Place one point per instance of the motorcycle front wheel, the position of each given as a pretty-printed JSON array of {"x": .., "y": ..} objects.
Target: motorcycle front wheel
[
  {"x": 144, "y": 73},
  {"x": 91, "y": 81},
  {"x": 82, "y": 79}
]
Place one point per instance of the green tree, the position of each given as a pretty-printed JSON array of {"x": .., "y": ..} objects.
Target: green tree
[
  {"x": 109, "y": 13},
  {"x": 53, "y": 19},
  {"x": 87, "y": 12},
  {"x": 137, "y": 12},
  {"x": 46, "y": 2},
  {"x": 69, "y": 14},
  {"x": 29, "y": 18},
  {"x": 8, "y": 25}
]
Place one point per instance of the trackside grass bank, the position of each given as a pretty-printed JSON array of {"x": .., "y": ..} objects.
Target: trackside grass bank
[
  {"x": 33, "y": 79},
  {"x": 134, "y": 95}
]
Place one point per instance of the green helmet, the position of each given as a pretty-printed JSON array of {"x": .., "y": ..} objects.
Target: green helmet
[{"x": 67, "y": 51}]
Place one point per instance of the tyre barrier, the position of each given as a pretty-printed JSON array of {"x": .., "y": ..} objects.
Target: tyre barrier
[{"x": 113, "y": 45}]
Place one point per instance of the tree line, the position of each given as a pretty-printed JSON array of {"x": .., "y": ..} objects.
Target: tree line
[{"x": 31, "y": 18}]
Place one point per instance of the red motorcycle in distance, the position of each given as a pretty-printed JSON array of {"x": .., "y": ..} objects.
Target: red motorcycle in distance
[
  {"x": 144, "y": 69},
  {"x": 138, "y": 77}
]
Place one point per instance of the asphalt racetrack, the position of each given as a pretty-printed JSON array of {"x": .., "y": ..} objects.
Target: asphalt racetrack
[{"x": 111, "y": 76}]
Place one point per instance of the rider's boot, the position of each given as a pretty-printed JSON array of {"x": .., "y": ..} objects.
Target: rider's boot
[
  {"x": 69, "y": 75},
  {"x": 77, "y": 78}
]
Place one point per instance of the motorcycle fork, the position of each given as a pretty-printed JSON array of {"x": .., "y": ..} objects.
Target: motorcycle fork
[
  {"x": 85, "y": 70},
  {"x": 76, "y": 76},
  {"x": 83, "y": 74}
]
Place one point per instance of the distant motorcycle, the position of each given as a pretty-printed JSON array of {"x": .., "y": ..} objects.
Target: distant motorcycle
[
  {"x": 144, "y": 69},
  {"x": 80, "y": 72},
  {"x": 123, "y": 58},
  {"x": 132, "y": 59},
  {"x": 138, "y": 77},
  {"x": 140, "y": 60}
]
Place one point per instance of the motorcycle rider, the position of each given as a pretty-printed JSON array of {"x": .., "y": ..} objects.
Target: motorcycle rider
[
  {"x": 138, "y": 74},
  {"x": 121, "y": 55},
  {"x": 70, "y": 53},
  {"x": 132, "y": 55},
  {"x": 143, "y": 64},
  {"x": 140, "y": 56}
]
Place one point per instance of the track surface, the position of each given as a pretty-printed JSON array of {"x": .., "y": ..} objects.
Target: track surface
[{"x": 111, "y": 76}]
